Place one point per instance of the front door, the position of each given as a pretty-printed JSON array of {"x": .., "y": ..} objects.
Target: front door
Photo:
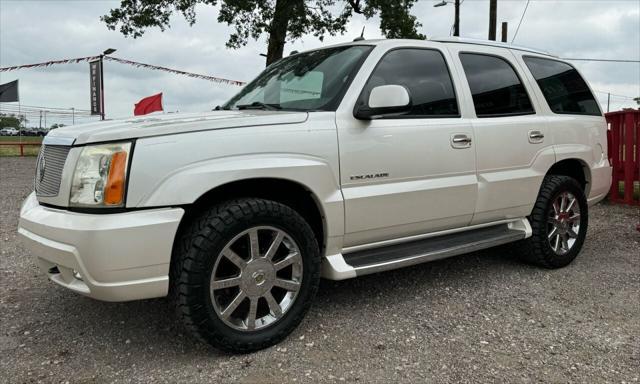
[{"x": 411, "y": 174}]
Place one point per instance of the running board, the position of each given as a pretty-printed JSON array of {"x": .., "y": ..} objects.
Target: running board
[{"x": 384, "y": 258}]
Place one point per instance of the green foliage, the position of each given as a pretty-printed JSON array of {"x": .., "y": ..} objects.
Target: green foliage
[
  {"x": 637, "y": 100},
  {"x": 282, "y": 20},
  {"x": 8, "y": 121}
]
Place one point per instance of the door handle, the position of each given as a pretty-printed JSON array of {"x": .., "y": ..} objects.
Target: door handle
[
  {"x": 536, "y": 136},
  {"x": 460, "y": 141}
]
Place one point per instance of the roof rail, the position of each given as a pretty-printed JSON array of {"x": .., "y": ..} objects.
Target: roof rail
[{"x": 465, "y": 40}]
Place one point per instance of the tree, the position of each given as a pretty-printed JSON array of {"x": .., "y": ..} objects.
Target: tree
[
  {"x": 637, "y": 100},
  {"x": 283, "y": 20},
  {"x": 9, "y": 121}
]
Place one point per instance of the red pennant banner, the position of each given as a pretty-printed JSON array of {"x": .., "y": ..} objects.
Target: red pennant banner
[{"x": 127, "y": 62}]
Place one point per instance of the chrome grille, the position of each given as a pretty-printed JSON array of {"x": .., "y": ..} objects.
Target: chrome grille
[{"x": 49, "y": 169}]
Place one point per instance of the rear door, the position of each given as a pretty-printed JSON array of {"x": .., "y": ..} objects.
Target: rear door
[
  {"x": 405, "y": 175},
  {"x": 513, "y": 146}
]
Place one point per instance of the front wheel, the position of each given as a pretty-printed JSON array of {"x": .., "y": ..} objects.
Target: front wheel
[
  {"x": 246, "y": 274},
  {"x": 559, "y": 224}
]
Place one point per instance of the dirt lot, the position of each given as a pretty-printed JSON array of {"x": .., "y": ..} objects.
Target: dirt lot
[{"x": 481, "y": 317}]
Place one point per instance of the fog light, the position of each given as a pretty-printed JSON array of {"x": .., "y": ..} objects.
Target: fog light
[{"x": 77, "y": 275}]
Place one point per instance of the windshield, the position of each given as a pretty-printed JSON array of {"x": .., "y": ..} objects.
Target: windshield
[{"x": 314, "y": 80}]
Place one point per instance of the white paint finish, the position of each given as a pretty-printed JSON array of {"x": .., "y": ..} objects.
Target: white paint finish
[
  {"x": 427, "y": 178},
  {"x": 579, "y": 137},
  {"x": 173, "y": 123},
  {"x": 419, "y": 182},
  {"x": 386, "y": 96},
  {"x": 429, "y": 183},
  {"x": 110, "y": 251},
  {"x": 510, "y": 166},
  {"x": 184, "y": 167}
]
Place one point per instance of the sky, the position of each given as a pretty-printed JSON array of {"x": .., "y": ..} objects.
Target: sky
[{"x": 37, "y": 31}]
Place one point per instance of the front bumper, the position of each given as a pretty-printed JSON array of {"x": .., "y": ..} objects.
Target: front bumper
[{"x": 111, "y": 257}]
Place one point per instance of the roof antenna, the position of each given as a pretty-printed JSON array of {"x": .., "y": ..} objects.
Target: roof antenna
[{"x": 361, "y": 37}]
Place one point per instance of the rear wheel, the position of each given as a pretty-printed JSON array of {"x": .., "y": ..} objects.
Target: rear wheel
[
  {"x": 559, "y": 224},
  {"x": 245, "y": 274}
]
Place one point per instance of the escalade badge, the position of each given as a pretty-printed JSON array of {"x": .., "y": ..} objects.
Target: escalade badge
[{"x": 370, "y": 176}]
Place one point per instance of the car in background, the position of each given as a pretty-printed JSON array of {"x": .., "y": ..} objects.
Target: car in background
[
  {"x": 9, "y": 132},
  {"x": 34, "y": 132}
]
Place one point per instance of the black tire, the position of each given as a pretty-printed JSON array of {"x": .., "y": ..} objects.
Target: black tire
[
  {"x": 537, "y": 250},
  {"x": 194, "y": 257}
]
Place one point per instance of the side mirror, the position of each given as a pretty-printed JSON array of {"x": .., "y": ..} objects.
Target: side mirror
[{"x": 384, "y": 100}]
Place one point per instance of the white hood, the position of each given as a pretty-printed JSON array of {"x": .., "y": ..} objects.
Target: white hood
[{"x": 167, "y": 124}]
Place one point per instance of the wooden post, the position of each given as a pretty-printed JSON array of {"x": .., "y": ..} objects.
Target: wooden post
[
  {"x": 21, "y": 149},
  {"x": 505, "y": 25},
  {"x": 629, "y": 127},
  {"x": 493, "y": 13}
]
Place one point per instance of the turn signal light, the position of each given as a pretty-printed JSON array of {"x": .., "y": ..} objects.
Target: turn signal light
[{"x": 114, "y": 190}]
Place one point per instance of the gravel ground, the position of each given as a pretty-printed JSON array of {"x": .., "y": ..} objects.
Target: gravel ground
[{"x": 481, "y": 317}]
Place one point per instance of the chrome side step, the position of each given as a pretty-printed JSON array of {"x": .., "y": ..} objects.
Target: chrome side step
[{"x": 363, "y": 262}]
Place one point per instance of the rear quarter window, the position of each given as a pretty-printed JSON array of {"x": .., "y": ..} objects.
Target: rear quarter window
[{"x": 564, "y": 89}]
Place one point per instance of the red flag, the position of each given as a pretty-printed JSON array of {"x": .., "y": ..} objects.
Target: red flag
[{"x": 148, "y": 105}]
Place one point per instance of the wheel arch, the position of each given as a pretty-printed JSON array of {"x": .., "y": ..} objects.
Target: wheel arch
[
  {"x": 574, "y": 168},
  {"x": 288, "y": 192}
]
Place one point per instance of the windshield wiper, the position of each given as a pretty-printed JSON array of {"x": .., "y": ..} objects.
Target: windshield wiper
[{"x": 260, "y": 105}]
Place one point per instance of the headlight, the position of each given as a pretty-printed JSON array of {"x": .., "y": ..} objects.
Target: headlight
[{"x": 99, "y": 179}]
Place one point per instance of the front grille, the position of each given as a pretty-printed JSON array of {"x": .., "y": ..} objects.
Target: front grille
[{"x": 49, "y": 169}]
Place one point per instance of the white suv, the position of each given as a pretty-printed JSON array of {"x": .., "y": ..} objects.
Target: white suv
[{"x": 334, "y": 163}]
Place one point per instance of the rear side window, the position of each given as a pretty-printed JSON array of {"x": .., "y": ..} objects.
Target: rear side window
[
  {"x": 425, "y": 74},
  {"x": 495, "y": 86},
  {"x": 562, "y": 86}
]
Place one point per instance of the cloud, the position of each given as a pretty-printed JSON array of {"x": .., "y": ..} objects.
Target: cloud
[{"x": 33, "y": 31}]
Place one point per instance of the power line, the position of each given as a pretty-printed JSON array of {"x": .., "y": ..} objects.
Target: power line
[
  {"x": 616, "y": 95},
  {"x": 520, "y": 23}
]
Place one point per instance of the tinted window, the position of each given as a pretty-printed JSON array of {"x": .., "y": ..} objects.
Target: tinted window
[
  {"x": 495, "y": 86},
  {"x": 562, "y": 87},
  {"x": 425, "y": 74},
  {"x": 314, "y": 80}
]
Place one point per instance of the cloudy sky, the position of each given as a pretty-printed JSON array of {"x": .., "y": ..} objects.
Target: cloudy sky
[{"x": 37, "y": 31}]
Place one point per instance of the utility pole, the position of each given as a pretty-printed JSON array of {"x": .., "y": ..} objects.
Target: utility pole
[
  {"x": 41, "y": 119},
  {"x": 609, "y": 101},
  {"x": 493, "y": 15},
  {"x": 456, "y": 20},
  {"x": 73, "y": 116},
  {"x": 505, "y": 26}
]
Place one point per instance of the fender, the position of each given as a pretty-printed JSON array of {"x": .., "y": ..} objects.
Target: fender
[{"x": 177, "y": 169}]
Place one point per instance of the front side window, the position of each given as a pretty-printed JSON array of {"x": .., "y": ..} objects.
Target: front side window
[
  {"x": 424, "y": 73},
  {"x": 495, "y": 86},
  {"x": 564, "y": 89},
  {"x": 314, "y": 80}
]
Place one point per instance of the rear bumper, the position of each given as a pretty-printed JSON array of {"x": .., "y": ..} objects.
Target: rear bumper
[
  {"x": 600, "y": 183},
  {"x": 111, "y": 257}
]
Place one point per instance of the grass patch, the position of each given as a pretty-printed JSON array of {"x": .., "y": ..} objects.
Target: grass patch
[
  {"x": 23, "y": 139},
  {"x": 14, "y": 150},
  {"x": 636, "y": 190}
]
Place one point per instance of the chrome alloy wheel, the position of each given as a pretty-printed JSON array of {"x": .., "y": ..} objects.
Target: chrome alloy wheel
[
  {"x": 256, "y": 278},
  {"x": 563, "y": 223}
]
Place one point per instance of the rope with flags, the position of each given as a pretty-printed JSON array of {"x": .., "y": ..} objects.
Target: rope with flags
[{"x": 127, "y": 62}]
